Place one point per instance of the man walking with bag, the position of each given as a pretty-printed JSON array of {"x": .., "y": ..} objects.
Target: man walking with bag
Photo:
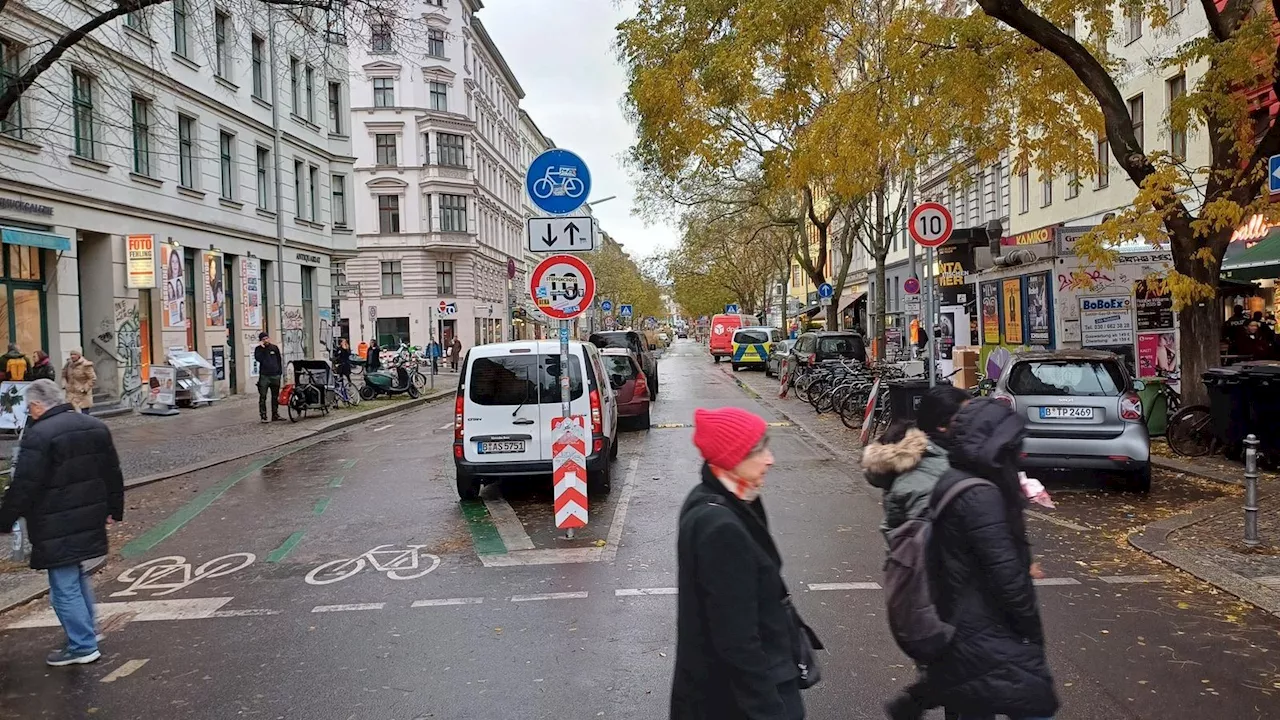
[{"x": 68, "y": 485}]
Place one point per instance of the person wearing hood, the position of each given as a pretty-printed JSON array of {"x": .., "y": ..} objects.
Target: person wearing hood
[
  {"x": 42, "y": 369},
  {"x": 735, "y": 630},
  {"x": 996, "y": 662},
  {"x": 15, "y": 364}
]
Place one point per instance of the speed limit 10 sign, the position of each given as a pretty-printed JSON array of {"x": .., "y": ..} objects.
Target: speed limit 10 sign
[
  {"x": 930, "y": 224},
  {"x": 562, "y": 287}
]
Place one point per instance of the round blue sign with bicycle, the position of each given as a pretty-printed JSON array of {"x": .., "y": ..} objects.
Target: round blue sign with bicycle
[
  {"x": 606, "y": 306},
  {"x": 558, "y": 182}
]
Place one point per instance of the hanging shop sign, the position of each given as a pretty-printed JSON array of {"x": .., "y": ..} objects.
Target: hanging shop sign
[
  {"x": 140, "y": 253},
  {"x": 1031, "y": 237}
]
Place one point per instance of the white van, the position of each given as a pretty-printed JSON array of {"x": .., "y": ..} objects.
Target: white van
[{"x": 508, "y": 395}]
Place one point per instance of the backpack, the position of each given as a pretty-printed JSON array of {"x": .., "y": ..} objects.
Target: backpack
[{"x": 913, "y": 617}]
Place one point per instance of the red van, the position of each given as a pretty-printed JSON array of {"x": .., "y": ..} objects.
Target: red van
[{"x": 722, "y": 329}]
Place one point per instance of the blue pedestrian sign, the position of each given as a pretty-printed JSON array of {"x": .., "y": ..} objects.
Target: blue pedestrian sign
[
  {"x": 825, "y": 290},
  {"x": 558, "y": 182},
  {"x": 606, "y": 305},
  {"x": 1273, "y": 174},
  {"x": 731, "y": 309},
  {"x": 624, "y": 311}
]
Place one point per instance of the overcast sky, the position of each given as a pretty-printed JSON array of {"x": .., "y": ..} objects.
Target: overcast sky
[{"x": 561, "y": 51}]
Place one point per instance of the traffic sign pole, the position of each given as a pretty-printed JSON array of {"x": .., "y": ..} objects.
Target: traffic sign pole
[{"x": 930, "y": 293}]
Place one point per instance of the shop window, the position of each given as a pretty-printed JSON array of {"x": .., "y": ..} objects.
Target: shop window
[{"x": 22, "y": 301}]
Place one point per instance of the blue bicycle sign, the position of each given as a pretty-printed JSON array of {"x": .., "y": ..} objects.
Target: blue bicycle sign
[{"x": 558, "y": 182}]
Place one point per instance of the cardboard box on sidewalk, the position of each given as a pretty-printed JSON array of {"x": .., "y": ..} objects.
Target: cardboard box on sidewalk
[{"x": 966, "y": 358}]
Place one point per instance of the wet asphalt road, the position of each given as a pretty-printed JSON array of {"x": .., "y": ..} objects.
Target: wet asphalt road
[{"x": 258, "y": 594}]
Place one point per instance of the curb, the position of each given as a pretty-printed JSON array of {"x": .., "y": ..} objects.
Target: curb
[
  {"x": 1154, "y": 540},
  {"x": 329, "y": 426},
  {"x": 1189, "y": 468},
  {"x": 94, "y": 566}
]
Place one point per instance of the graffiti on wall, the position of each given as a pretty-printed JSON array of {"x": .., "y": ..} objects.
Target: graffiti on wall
[
  {"x": 291, "y": 336},
  {"x": 1083, "y": 280},
  {"x": 128, "y": 332}
]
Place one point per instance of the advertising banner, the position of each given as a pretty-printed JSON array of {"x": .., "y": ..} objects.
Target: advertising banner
[
  {"x": 215, "y": 296},
  {"x": 954, "y": 262},
  {"x": 1157, "y": 355},
  {"x": 1106, "y": 321},
  {"x": 1011, "y": 292},
  {"x": 251, "y": 292},
  {"x": 162, "y": 385},
  {"x": 1154, "y": 306},
  {"x": 1039, "y": 326},
  {"x": 140, "y": 253},
  {"x": 174, "y": 310},
  {"x": 990, "y": 313}
]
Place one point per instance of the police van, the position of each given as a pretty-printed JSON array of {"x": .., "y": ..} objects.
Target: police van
[{"x": 752, "y": 345}]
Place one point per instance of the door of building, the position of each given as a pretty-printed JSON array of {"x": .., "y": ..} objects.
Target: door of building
[{"x": 230, "y": 297}]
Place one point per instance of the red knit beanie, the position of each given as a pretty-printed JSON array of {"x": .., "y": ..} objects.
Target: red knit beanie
[{"x": 726, "y": 436}]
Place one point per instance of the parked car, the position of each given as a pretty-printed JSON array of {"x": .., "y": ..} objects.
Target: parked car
[
  {"x": 822, "y": 345},
  {"x": 773, "y": 366},
  {"x": 722, "y": 329},
  {"x": 682, "y": 335},
  {"x": 635, "y": 342},
  {"x": 630, "y": 385},
  {"x": 752, "y": 345},
  {"x": 508, "y": 394},
  {"x": 1082, "y": 410}
]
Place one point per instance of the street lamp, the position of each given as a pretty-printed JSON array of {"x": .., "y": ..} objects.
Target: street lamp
[{"x": 606, "y": 199}]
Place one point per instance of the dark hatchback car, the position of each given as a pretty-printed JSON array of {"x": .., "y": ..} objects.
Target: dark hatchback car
[
  {"x": 820, "y": 346},
  {"x": 635, "y": 342}
]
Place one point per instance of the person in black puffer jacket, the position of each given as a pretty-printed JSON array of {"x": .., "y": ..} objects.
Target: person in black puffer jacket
[
  {"x": 66, "y": 483},
  {"x": 996, "y": 663}
]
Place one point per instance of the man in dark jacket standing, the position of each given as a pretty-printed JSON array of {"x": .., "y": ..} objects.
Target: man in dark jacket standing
[
  {"x": 734, "y": 651},
  {"x": 67, "y": 484},
  {"x": 270, "y": 369},
  {"x": 996, "y": 662}
]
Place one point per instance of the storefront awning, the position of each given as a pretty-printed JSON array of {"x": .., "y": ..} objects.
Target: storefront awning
[
  {"x": 32, "y": 238},
  {"x": 848, "y": 300},
  {"x": 811, "y": 310},
  {"x": 1258, "y": 262}
]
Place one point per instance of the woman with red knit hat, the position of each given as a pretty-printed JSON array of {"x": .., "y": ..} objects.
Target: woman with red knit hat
[{"x": 737, "y": 633}]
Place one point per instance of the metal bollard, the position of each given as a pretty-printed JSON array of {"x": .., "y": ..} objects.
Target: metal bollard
[{"x": 1251, "y": 491}]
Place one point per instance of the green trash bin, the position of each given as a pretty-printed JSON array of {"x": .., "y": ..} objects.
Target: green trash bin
[{"x": 1154, "y": 406}]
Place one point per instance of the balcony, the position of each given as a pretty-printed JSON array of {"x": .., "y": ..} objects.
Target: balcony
[
  {"x": 453, "y": 174},
  {"x": 435, "y": 240}
]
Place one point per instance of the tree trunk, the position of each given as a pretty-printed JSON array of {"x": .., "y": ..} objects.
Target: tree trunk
[
  {"x": 833, "y": 311},
  {"x": 1200, "y": 326},
  {"x": 879, "y": 309}
]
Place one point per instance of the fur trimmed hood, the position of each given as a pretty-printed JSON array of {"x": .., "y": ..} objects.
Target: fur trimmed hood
[{"x": 882, "y": 462}]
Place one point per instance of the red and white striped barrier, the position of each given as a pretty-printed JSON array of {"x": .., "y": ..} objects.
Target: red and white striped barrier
[{"x": 569, "y": 470}]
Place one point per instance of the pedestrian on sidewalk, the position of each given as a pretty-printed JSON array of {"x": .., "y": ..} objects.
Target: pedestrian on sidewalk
[
  {"x": 995, "y": 663},
  {"x": 78, "y": 378},
  {"x": 42, "y": 368},
  {"x": 455, "y": 352},
  {"x": 270, "y": 371},
  {"x": 735, "y": 626},
  {"x": 68, "y": 486},
  {"x": 373, "y": 357},
  {"x": 433, "y": 350},
  {"x": 342, "y": 359},
  {"x": 15, "y": 364}
]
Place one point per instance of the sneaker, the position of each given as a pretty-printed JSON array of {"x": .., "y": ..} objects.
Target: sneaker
[
  {"x": 59, "y": 658},
  {"x": 277, "y": 418}
]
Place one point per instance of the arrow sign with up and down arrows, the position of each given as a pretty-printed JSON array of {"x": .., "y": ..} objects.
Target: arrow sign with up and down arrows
[{"x": 561, "y": 234}]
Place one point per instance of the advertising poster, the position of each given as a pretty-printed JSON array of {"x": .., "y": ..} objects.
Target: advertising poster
[
  {"x": 215, "y": 298},
  {"x": 990, "y": 313},
  {"x": 162, "y": 385},
  {"x": 1039, "y": 326},
  {"x": 1157, "y": 355},
  {"x": 947, "y": 334},
  {"x": 1154, "y": 306},
  {"x": 954, "y": 263},
  {"x": 140, "y": 251},
  {"x": 1106, "y": 321},
  {"x": 13, "y": 405},
  {"x": 251, "y": 292},
  {"x": 219, "y": 362},
  {"x": 174, "y": 310},
  {"x": 1011, "y": 293}
]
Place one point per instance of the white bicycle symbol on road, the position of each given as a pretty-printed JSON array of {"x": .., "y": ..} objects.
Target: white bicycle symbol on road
[
  {"x": 398, "y": 563},
  {"x": 172, "y": 573},
  {"x": 558, "y": 180}
]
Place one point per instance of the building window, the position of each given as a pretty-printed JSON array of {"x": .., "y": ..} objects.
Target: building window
[
  {"x": 295, "y": 84},
  {"x": 1073, "y": 184},
  {"x": 186, "y": 151},
  {"x": 439, "y": 93},
  {"x": 136, "y": 20},
  {"x": 384, "y": 92},
  {"x": 1046, "y": 190},
  {"x": 310, "y": 89},
  {"x": 1133, "y": 25},
  {"x": 388, "y": 214},
  {"x": 221, "y": 50},
  {"x": 385, "y": 149},
  {"x": 451, "y": 149},
  {"x": 1024, "y": 189},
  {"x": 435, "y": 42},
  {"x": 453, "y": 213},
  {"x": 180, "y": 27},
  {"x": 264, "y": 178},
  {"x": 1135, "y": 115},
  {"x": 82, "y": 104},
  {"x": 313, "y": 192},
  {"x": 392, "y": 277},
  {"x": 299, "y": 200},
  {"x": 227, "y": 164},
  {"x": 444, "y": 277},
  {"x": 335, "y": 108},
  {"x": 259, "y": 52},
  {"x": 11, "y": 124},
  {"x": 338, "y": 187},
  {"x": 141, "y": 111},
  {"x": 1176, "y": 6},
  {"x": 380, "y": 38},
  {"x": 1103, "y": 156},
  {"x": 1177, "y": 137}
]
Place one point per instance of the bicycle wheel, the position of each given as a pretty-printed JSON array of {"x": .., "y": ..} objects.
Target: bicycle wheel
[
  {"x": 296, "y": 409},
  {"x": 825, "y": 401},
  {"x": 340, "y": 570},
  {"x": 1189, "y": 433},
  {"x": 225, "y": 565},
  {"x": 350, "y": 395},
  {"x": 397, "y": 573},
  {"x": 851, "y": 410},
  {"x": 419, "y": 380},
  {"x": 801, "y": 386}
]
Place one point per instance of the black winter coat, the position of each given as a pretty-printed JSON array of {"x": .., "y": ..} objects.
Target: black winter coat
[
  {"x": 734, "y": 649},
  {"x": 996, "y": 662},
  {"x": 66, "y": 483}
]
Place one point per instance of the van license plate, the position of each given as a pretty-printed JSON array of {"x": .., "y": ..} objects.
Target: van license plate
[
  {"x": 503, "y": 446},
  {"x": 1066, "y": 413}
]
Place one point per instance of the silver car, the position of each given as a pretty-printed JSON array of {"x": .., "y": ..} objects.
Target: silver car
[
  {"x": 1082, "y": 412},
  {"x": 773, "y": 366}
]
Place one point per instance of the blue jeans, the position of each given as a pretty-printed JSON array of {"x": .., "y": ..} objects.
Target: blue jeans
[{"x": 72, "y": 600}]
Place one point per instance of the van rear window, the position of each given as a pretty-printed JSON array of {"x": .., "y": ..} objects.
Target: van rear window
[
  {"x": 751, "y": 337},
  {"x": 516, "y": 379}
]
